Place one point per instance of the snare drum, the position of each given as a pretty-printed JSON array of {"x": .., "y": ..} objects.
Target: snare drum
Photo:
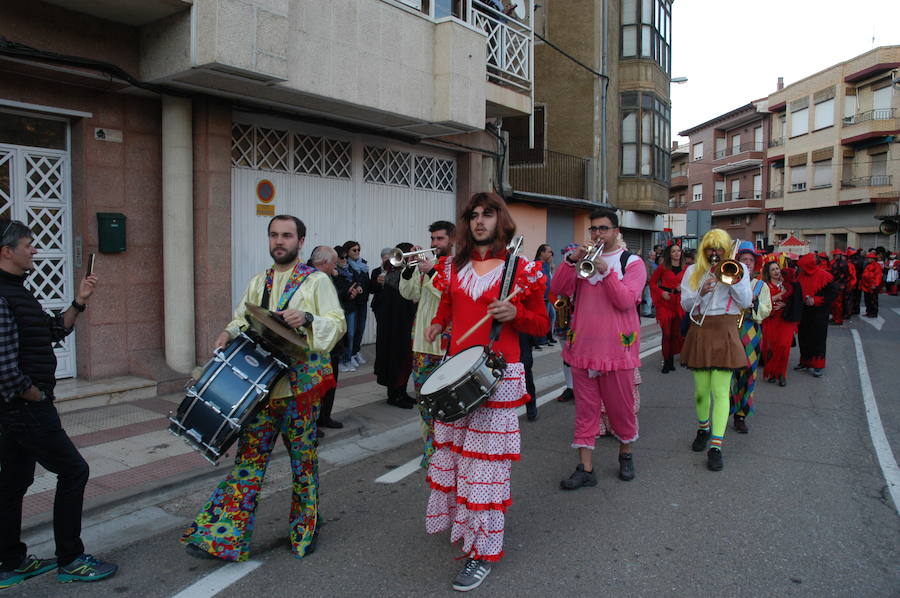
[
  {"x": 462, "y": 383},
  {"x": 229, "y": 392}
]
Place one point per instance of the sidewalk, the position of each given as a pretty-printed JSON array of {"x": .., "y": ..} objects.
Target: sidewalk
[{"x": 131, "y": 452}]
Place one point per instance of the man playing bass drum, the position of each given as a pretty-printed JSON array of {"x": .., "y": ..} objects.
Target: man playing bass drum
[{"x": 469, "y": 471}]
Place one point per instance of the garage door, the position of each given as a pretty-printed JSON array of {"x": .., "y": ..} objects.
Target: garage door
[{"x": 344, "y": 187}]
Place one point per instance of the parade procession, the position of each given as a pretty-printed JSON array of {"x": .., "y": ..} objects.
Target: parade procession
[{"x": 418, "y": 297}]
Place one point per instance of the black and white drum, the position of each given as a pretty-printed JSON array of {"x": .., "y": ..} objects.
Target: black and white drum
[
  {"x": 462, "y": 383},
  {"x": 232, "y": 388}
]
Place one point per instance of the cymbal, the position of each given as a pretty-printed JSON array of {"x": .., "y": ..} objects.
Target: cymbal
[{"x": 275, "y": 323}]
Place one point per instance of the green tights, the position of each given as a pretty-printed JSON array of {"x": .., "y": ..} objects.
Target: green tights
[{"x": 715, "y": 384}]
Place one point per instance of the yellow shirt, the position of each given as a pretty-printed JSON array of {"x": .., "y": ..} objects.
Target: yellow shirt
[
  {"x": 419, "y": 289},
  {"x": 316, "y": 295}
]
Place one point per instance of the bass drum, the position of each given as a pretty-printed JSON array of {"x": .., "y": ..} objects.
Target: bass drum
[
  {"x": 462, "y": 383},
  {"x": 234, "y": 385}
]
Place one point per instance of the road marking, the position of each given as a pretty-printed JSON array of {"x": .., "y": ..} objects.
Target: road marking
[
  {"x": 876, "y": 430},
  {"x": 211, "y": 584},
  {"x": 896, "y": 310},
  {"x": 650, "y": 351},
  {"x": 877, "y": 322}
]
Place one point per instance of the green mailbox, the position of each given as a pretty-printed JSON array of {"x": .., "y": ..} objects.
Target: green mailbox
[{"x": 111, "y": 232}]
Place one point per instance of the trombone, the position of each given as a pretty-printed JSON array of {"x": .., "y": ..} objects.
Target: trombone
[
  {"x": 727, "y": 272},
  {"x": 586, "y": 266},
  {"x": 398, "y": 259}
]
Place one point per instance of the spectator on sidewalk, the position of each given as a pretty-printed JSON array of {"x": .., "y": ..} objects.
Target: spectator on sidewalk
[
  {"x": 30, "y": 430},
  {"x": 356, "y": 323}
]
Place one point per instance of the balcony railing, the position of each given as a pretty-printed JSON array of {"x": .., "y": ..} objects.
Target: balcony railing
[
  {"x": 774, "y": 194},
  {"x": 721, "y": 196},
  {"x": 547, "y": 172},
  {"x": 876, "y": 114},
  {"x": 681, "y": 172},
  {"x": 875, "y": 180},
  {"x": 750, "y": 146},
  {"x": 776, "y": 142},
  {"x": 509, "y": 51}
]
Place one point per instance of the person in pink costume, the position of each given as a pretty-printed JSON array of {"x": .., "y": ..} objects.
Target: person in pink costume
[{"x": 603, "y": 345}]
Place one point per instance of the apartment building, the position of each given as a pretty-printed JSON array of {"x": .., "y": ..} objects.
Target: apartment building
[
  {"x": 833, "y": 157},
  {"x": 726, "y": 176},
  {"x": 191, "y": 122},
  {"x": 597, "y": 140},
  {"x": 676, "y": 219}
]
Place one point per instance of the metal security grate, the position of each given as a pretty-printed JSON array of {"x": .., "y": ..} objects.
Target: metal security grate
[
  {"x": 390, "y": 167},
  {"x": 272, "y": 150},
  {"x": 262, "y": 148}
]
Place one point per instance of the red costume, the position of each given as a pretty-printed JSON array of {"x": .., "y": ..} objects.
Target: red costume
[
  {"x": 870, "y": 284},
  {"x": 777, "y": 332},
  {"x": 470, "y": 469},
  {"x": 812, "y": 333},
  {"x": 668, "y": 311}
]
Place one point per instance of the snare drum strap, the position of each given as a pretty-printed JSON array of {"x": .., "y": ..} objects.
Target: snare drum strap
[{"x": 509, "y": 276}]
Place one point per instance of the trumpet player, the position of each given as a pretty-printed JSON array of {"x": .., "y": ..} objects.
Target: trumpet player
[
  {"x": 713, "y": 349},
  {"x": 416, "y": 286},
  {"x": 603, "y": 343}
]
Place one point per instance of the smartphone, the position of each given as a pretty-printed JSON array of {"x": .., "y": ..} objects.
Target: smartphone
[{"x": 90, "y": 265}]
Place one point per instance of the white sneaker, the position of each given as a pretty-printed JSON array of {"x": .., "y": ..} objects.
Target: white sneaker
[
  {"x": 347, "y": 367},
  {"x": 354, "y": 362},
  {"x": 359, "y": 359}
]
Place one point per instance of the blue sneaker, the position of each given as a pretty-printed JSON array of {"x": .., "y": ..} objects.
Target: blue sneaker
[
  {"x": 86, "y": 568},
  {"x": 31, "y": 566}
]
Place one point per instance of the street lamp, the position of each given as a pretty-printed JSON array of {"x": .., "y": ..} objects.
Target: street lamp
[{"x": 678, "y": 80}]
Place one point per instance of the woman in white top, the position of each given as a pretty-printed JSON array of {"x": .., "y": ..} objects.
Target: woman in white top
[{"x": 714, "y": 350}]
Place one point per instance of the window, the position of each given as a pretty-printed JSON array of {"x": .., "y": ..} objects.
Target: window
[
  {"x": 824, "y": 116},
  {"x": 760, "y": 240},
  {"x": 735, "y": 189},
  {"x": 822, "y": 173},
  {"x": 719, "y": 192},
  {"x": 647, "y": 31},
  {"x": 646, "y": 145},
  {"x": 800, "y": 122},
  {"x": 698, "y": 151},
  {"x": 757, "y": 186},
  {"x": 736, "y": 144},
  {"x": 736, "y": 220},
  {"x": 517, "y": 127},
  {"x": 798, "y": 178},
  {"x": 879, "y": 170},
  {"x": 697, "y": 192}
]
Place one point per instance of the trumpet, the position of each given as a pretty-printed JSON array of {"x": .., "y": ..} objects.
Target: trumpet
[
  {"x": 563, "y": 307},
  {"x": 727, "y": 272},
  {"x": 398, "y": 259},
  {"x": 586, "y": 266}
]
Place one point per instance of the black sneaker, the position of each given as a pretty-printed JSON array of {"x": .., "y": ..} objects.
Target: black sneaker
[
  {"x": 31, "y": 566},
  {"x": 471, "y": 576},
  {"x": 700, "y": 441},
  {"x": 714, "y": 459},
  {"x": 578, "y": 479},
  {"x": 740, "y": 424},
  {"x": 86, "y": 568},
  {"x": 626, "y": 467}
]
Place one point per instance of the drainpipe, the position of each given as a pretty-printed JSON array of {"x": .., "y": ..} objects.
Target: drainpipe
[
  {"x": 604, "y": 86},
  {"x": 178, "y": 233}
]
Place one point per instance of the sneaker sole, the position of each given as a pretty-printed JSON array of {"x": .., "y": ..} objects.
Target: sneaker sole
[
  {"x": 63, "y": 578},
  {"x": 590, "y": 484},
  {"x": 14, "y": 581}
]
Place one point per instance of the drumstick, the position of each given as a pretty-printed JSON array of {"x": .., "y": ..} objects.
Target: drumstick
[{"x": 484, "y": 319}]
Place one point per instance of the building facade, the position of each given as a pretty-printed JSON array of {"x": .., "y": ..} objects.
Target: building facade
[
  {"x": 676, "y": 219},
  {"x": 726, "y": 176},
  {"x": 192, "y": 122},
  {"x": 601, "y": 132},
  {"x": 833, "y": 155}
]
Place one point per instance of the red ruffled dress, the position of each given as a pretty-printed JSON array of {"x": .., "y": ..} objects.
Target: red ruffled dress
[{"x": 470, "y": 469}]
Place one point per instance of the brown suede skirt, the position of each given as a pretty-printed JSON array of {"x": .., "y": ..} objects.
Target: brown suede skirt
[{"x": 716, "y": 344}]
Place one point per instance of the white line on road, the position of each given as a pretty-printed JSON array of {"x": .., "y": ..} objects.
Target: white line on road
[
  {"x": 877, "y": 322},
  {"x": 211, "y": 584},
  {"x": 876, "y": 430},
  {"x": 896, "y": 310}
]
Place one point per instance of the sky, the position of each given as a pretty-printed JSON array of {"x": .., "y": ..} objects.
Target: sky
[{"x": 733, "y": 52}]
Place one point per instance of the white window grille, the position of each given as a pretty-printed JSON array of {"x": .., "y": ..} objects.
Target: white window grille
[
  {"x": 262, "y": 148},
  {"x": 434, "y": 173},
  {"x": 44, "y": 180},
  {"x": 399, "y": 168},
  {"x": 391, "y": 167}
]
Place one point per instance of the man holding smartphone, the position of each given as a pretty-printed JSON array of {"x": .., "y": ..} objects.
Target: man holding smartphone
[{"x": 30, "y": 430}]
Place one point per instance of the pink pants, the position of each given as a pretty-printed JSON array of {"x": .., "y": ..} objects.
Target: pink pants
[{"x": 612, "y": 390}]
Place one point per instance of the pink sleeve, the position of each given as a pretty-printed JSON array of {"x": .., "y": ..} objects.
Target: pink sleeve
[
  {"x": 563, "y": 282},
  {"x": 626, "y": 293}
]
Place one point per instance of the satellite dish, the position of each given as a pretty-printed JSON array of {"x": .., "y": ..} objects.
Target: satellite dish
[{"x": 888, "y": 227}]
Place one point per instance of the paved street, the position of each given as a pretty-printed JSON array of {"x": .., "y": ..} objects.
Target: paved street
[{"x": 802, "y": 507}]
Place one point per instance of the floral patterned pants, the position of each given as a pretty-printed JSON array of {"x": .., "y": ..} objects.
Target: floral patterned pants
[{"x": 224, "y": 526}]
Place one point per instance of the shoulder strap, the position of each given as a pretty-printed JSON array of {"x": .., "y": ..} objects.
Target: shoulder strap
[
  {"x": 264, "y": 302},
  {"x": 623, "y": 259}
]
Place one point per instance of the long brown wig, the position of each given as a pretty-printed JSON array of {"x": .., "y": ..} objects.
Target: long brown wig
[{"x": 465, "y": 243}]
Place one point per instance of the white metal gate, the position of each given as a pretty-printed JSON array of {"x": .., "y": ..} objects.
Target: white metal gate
[
  {"x": 35, "y": 188},
  {"x": 343, "y": 186}
]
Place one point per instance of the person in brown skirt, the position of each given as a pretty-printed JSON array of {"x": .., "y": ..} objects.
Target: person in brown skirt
[{"x": 713, "y": 350}]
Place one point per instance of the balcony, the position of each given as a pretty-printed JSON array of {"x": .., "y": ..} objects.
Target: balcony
[
  {"x": 774, "y": 194},
  {"x": 870, "y": 124},
  {"x": 875, "y": 180},
  {"x": 747, "y": 155},
  {"x": 548, "y": 173},
  {"x": 777, "y": 142},
  {"x": 679, "y": 179},
  {"x": 733, "y": 204}
]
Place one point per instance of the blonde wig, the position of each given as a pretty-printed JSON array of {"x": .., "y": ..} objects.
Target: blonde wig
[{"x": 715, "y": 238}]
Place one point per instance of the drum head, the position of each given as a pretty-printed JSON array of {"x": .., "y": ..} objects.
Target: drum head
[{"x": 453, "y": 370}]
